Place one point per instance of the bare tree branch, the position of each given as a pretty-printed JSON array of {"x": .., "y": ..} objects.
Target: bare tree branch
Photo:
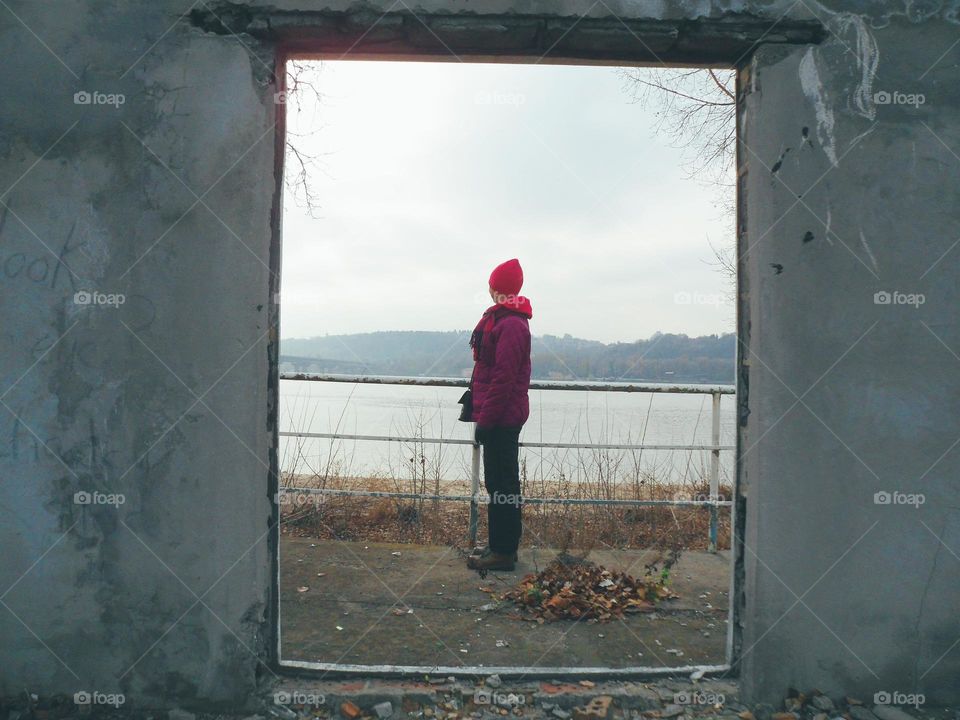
[
  {"x": 301, "y": 89},
  {"x": 696, "y": 110},
  {"x": 724, "y": 88}
]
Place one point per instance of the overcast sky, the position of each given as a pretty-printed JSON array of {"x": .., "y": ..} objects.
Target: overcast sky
[{"x": 430, "y": 174}]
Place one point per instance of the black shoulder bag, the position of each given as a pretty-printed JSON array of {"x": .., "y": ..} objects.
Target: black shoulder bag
[{"x": 466, "y": 400}]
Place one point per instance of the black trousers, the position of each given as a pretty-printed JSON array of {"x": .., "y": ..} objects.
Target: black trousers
[{"x": 501, "y": 477}]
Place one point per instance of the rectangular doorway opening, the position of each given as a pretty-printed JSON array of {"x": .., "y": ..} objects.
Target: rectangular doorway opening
[{"x": 405, "y": 183}]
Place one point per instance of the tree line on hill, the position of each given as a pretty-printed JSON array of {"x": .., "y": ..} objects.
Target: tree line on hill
[{"x": 663, "y": 357}]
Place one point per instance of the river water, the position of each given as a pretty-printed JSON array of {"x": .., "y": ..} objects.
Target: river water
[{"x": 556, "y": 416}]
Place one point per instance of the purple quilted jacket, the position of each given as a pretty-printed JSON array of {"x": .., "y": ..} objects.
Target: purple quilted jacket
[{"x": 501, "y": 376}]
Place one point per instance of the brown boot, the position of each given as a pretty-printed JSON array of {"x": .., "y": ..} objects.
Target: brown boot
[
  {"x": 485, "y": 550},
  {"x": 492, "y": 561}
]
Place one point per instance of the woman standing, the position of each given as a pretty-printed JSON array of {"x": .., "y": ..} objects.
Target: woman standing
[{"x": 501, "y": 379}]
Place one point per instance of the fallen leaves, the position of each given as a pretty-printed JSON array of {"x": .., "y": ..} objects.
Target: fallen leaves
[
  {"x": 555, "y": 689},
  {"x": 350, "y": 710},
  {"x": 564, "y": 591}
]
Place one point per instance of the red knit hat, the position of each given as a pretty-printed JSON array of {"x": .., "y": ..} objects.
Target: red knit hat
[{"x": 507, "y": 278}]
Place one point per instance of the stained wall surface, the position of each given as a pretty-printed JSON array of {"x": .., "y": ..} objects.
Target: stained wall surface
[{"x": 138, "y": 158}]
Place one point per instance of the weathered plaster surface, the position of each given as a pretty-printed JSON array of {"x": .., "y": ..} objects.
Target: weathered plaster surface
[
  {"x": 847, "y": 397},
  {"x": 162, "y": 399},
  {"x": 169, "y": 199}
]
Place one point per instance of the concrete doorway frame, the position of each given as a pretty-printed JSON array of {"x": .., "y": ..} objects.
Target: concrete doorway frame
[{"x": 587, "y": 39}]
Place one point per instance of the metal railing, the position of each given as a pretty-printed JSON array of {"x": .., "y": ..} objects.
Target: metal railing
[{"x": 714, "y": 502}]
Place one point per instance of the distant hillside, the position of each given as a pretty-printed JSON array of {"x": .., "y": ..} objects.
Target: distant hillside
[{"x": 661, "y": 358}]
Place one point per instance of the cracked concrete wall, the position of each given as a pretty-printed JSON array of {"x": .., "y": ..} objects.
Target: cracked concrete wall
[
  {"x": 850, "y": 396},
  {"x": 168, "y": 200}
]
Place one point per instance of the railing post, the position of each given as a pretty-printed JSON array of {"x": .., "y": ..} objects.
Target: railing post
[
  {"x": 474, "y": 490},
  {"x": 714, "y": 472}
]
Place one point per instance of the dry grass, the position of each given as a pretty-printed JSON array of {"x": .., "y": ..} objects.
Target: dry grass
[{"x": 578, "y": 528}]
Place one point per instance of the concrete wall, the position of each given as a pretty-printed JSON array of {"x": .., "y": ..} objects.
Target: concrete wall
[
  {"x": 169, "y": 199},
  {"x": 846, "y": 198},
  {"x": 162, "y": 399}
]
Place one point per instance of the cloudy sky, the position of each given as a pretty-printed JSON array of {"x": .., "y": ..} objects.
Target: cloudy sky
[{"x": 430, "y": 174}]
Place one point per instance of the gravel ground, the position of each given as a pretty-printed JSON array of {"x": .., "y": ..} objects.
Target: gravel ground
[{"x": 493, "y": 698}]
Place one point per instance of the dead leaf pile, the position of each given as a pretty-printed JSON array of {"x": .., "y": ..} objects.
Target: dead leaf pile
[{"x": 585, "y": 591}]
